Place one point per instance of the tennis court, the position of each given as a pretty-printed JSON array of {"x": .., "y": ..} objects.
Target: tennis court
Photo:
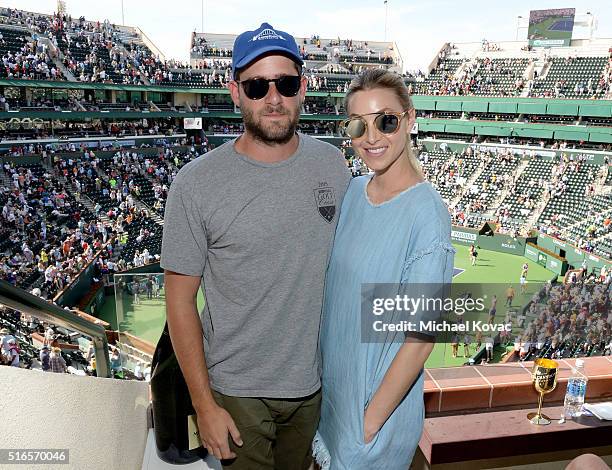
[
  {"x": 493, "y": 272},
  {"x": 552, "y": 28}
]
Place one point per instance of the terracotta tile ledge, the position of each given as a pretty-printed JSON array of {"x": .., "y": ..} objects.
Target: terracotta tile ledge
[{"x": 505, "y": 386}]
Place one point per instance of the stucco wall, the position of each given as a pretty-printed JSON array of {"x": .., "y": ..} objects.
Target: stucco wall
[{"x": 103, "y": 422}]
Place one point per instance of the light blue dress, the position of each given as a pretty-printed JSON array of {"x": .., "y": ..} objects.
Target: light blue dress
[{"x": 405, "y": 239}]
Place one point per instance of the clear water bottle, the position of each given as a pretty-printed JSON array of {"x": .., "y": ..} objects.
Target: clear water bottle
[{"x": 576, "y": 391}]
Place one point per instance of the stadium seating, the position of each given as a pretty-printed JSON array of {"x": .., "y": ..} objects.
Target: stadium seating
[
  {"x": 527, "y": 192},
  {"x": 576, "y": 77},
  {"x": 23, "y": 57},
  {"x": 479, "y": 76},
  {"x": 488, "y": 186}
]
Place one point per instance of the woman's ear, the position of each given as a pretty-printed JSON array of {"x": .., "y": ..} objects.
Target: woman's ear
[{"x": 410, "y": 120}]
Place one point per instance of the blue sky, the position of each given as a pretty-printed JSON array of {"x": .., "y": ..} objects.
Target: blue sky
[{"x": 419, "y": 28}]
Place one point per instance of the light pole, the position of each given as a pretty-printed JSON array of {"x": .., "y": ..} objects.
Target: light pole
[
  {"x": 202, "y": 16},
  {"x": 518, "y": 21},
  {"x": 122, "y": 14},
  {"x": 386, "y": 15}
]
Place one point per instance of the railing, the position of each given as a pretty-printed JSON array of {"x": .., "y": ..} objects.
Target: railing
[{"x": 30, "y": 304}]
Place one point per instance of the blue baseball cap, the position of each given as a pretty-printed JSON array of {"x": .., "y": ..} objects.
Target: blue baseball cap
[{"x": 253, "y": 44}]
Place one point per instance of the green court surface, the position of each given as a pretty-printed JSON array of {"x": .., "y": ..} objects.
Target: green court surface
[
  {"x": 544, "y": 30},
  {"x": 145, "y": 319},
  {"x": 492, "y": 274}
]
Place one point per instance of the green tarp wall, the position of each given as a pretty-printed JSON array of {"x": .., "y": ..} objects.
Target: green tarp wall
[
  {"x": 546, "y": 259},
  {"x": 574, "y": 256}
]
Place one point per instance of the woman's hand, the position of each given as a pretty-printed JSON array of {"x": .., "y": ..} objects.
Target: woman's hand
[{"x": 370, "y": 428}]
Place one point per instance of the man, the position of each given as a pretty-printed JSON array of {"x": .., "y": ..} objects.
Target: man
[
  {"x": 523, "y": 284},
  {"x": 13, "y": 353},
  {"x": 489, "y": 344},
  {"x": 492, "y": 309},
  {"x": 466, "y": 345},
  {"x": 57, "y": 363},
  {"x": 509, "y": 295},
  {"x": 524, "y": 270},
  {"x": 252, "y": 221},
  {"x": 44, "y": 358}
]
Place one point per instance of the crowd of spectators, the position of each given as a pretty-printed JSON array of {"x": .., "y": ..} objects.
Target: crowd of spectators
[
  {"x": 31, "y": 60},
  {"x": 94, "y": 128},
  {"x": 50, "y": 236},
  {"x": 448, "y": 175},
  {"x": 569, "y": 320},
  {"x": 479, "y": 195},
  {"x": 200, "y": 46},
  {"x": 28, "y": 343},
  {"x": 477, "y": 76}
]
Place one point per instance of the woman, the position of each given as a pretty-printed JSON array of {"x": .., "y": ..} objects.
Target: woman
[
  {"x": 473, "y": 254},
  {"x": 372, "y": 411}
]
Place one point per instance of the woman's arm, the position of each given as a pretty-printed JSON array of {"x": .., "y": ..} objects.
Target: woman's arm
[{"x": 400, "y": 376}]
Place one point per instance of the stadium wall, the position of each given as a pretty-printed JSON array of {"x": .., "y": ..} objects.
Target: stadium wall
[
  {"x": 514, "y": 105},
  {"x": 93, "y": 142},
  {"x": 546, "y": 258},
  {"x": 574, "y": 256},
  {"x": 517, "y": 129},
  {"x": 151, "y": 268},
  {"x": 501, "y": 243},
  {"x": 102, "y": 422},
  {"x": 592, "y": 156}
]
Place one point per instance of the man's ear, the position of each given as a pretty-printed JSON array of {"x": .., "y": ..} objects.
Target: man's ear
[
  {"x": 234, "y": 88},
  {"x": 303, "y": 87}
]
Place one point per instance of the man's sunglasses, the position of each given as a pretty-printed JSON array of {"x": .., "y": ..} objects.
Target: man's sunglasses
[
  {"x": 257, "y": 88},
  {"x": 387, "y": 123}
]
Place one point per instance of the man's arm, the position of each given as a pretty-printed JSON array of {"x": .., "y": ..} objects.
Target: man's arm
[
  {"x": 185, "y": 329},
  {"x": 186, "y": 334}
]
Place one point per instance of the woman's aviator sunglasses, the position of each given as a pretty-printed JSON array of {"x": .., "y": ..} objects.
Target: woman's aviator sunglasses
[
  {"x": 386, "y": 122},
  {"x": 257, "y": 88}
]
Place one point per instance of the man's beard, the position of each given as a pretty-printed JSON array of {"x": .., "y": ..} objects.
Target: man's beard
[{"x": 273, "y": 131}]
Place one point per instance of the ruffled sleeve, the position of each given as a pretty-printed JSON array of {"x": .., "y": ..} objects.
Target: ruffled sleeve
[{"x": 433, "y": 264}]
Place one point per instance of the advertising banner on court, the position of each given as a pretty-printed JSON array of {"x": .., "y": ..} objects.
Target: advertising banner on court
[
  {"x": 502, "y": 243},
  {"x": 464, "y": 235}
]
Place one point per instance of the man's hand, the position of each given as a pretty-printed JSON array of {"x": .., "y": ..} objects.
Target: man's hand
[{"x": 214, "y": 424}]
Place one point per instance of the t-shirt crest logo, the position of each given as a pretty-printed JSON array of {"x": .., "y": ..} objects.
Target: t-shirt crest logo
[
  {"x": 326, "y": 202},
  {"x": 267, "y": 34}
]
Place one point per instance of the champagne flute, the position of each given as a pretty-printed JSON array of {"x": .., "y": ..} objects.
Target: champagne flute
[{"x": 544, "y": 380}]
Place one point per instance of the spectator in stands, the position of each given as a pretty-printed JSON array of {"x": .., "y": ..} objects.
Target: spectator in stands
[
  {"x": 12, "y": 353},
  {"x": 45, "y": 358},
  {"x": 5, "y": 338},
  {"x": 115, "y": 363},
  {"x": 49, "y": 336},
  {"x": 56, "y": 362}
]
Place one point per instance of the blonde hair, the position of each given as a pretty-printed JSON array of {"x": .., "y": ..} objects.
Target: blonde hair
[{"x": 372, "y": 79}]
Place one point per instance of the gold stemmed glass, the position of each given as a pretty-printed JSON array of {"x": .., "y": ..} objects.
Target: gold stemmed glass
[{"x": 544, "y": 380}]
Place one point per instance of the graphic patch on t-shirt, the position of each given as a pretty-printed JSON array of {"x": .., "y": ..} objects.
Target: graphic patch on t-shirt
[{"x": 326, "y": 201}]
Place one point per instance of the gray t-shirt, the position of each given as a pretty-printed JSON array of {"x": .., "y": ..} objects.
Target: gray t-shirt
[{"x": 259, "y": 234}]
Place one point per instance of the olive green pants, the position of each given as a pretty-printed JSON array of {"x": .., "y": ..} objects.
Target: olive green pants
[{"x": 276, "y": 433}]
